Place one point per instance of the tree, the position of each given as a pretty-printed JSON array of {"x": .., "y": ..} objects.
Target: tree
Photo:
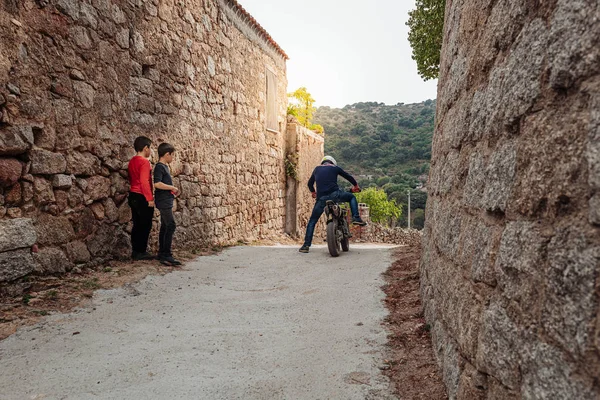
[
  {"x": 303, "y": 109},
  {"x": 426, "y": 24},
  {"x": 381, "y": 209}
]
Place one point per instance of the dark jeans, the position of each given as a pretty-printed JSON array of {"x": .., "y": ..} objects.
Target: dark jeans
[
  {"x": 340, "y": 196},
  {"x": 167, "y": 229},
  {"x": 141, "y": 214}
]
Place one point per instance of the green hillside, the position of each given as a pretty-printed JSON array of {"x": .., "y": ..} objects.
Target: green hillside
[{"x": 384, "y": 146}]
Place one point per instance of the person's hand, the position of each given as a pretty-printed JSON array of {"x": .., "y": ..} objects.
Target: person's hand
[
  {"x": 175, "y": 191},
  {"x": 314, "y": 195},
  {"x": 355, "y": 189},
  {"x": 151, "y": 204}
]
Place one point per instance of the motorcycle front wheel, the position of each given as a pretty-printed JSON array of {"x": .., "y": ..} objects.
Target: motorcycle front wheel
[{"x": 332, "y": 242}]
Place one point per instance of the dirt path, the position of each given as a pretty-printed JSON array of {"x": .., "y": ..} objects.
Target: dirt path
[
  {"x": 250, "y": 323},
  {"x": 413, "y": 369}
]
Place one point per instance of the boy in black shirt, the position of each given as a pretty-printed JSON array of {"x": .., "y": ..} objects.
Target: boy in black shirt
[{"x": 164, "y": 194}]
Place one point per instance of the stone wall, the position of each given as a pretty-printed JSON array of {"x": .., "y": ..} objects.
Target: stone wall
[
  {"x": 511, "y": 250},
  {"x": 79, "y": 80},
  {"x": 305, "y": 151}
]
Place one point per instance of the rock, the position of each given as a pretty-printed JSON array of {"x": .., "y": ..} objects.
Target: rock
[
  {"x": 98, "y": 188},
  {"x": 17, "y": 233},
  {"x": 13, "y": 195},
  {"x": 44, "y": 162},
  {"x": 44, "y": 137},
  {"x": 10, "y": 171},
  {"x": 14, "y": 212},
  {"x": 69, "y": 7},
  {"x": 62, "y": 181},
  {"x": 78, "y": 252},
  {"x": 51, "y": 260},
  {"x": 15, "y": 264},
  {"x": 122, "y": 38},
  {"x": 88, "y": 16},
  {"x": 53, "y": 230},
  {"x": 13, "y": 89},
  {"x": 124, "y": 213},
  {"x": 85, "y": 93},
  {"x": 15, "y": 140},
  {"x": 81, "y": 37},
  {"x": 83, "y": 164},
  {"x": 110, "y": 241},
  {"x": 84, "y": 223},
  {"x": 137, "y": 42},
  {"x": 77, "y": 75},
  {"x": 211, "y": 66},
  {"x": 500, "y": 175},
  {"x": 111, "y": 211},
  {"x": 98, "y": 210},
  {"x": 42, "y": 191}
]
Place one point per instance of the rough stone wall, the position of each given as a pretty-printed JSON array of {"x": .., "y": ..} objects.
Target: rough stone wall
[
  {"x": 305, "y": 150},
  {"x": 511, "y": 250},
  {"x": 79, "y": 80}
]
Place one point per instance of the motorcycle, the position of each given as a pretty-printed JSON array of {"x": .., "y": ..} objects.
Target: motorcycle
[{"x": 338, "y": 231}]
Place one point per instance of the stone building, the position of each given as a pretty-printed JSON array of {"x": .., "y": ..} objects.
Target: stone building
[
  {"x": 80, "y": 79},
  {"x": 511, "y": 251}
]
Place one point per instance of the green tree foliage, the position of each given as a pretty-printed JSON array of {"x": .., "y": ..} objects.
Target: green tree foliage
[
  {"x": 303, "y": 109},
  {"x": 381, "y": 210},
  {"x": 383, "y": 147},
  {"x": 426, "y": 24}
]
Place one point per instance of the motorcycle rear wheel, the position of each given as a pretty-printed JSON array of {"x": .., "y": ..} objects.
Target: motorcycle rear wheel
[{"x": 332, "y": 243}]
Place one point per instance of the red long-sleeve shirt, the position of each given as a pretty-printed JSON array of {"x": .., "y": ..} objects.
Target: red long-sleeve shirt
[{"x": 140, "y": 180}]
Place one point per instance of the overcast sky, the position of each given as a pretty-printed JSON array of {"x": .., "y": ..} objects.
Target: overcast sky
[{"x": 345, "y": 52}]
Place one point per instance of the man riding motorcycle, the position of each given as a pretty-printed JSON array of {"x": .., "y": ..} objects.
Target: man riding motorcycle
[{"x": 325, "y": 175}]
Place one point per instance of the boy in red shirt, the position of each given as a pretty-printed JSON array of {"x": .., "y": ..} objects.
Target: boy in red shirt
[{"x": 140, "y": 198}]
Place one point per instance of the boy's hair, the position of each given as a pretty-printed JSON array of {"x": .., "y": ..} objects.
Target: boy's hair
[
  {"x": 165, "y": 148},
  {"x": 141, "y": 142}
]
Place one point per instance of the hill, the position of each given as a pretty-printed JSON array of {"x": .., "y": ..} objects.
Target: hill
[{"x": 384, "y": 146}]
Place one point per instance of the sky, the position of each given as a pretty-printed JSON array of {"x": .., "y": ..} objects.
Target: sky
[{"x": 345, "y": 52}]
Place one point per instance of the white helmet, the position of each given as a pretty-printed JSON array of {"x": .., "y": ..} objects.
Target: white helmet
[{"x": 330, "y": 159}]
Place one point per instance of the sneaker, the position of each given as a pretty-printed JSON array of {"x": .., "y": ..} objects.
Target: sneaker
[
  {"x": 142, "y": 256},
  {"x": 358, "y": 221},
  {"x": 304, "y": 249},
  {"x": 169, "y": 260}
]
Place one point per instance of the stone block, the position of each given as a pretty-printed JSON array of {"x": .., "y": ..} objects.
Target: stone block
[
  {"x": 84, "y": 223},
  {"x": 500, "y": 347},
  {"x": 45, "y": 137},
  {"x": 124, "y": 213},
  {"x": 83, "y": 164},
  {"x": 15, "y": 140},
  {"x": 15, "y": 264},
  {"x": 69, "y": 7},
  {"x": 519, "y": 265},
  {"x": 50, "y": 260},
  {"x": 53, "y": 230},
  {"x": 122, "y": 38},
  {"x": 16, "y": 233},
  {"x": 472, "y": 385},
  {"x": 500, "y": 175},
  {"x": 571, "y": 301},
  {"x": 77, "y": 252},
  {"x": 110, "y": 241},
  {"x": 547, "y": 374},
  {"x": 10, "y": 171},
  {"x": 13, "y": 195},
  {"x": 42, "y": 191},
  {"x": 85, "y": 93},
  {"x": 44, "y": 162},
  {"x": 98, "y": 187},
  {"x": 62, "y": 181}
]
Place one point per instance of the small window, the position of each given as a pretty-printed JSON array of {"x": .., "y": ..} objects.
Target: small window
[{"x": 272, "y": 123}]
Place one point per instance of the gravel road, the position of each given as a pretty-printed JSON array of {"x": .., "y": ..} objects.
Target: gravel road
[{"x": 249, "y": 323}]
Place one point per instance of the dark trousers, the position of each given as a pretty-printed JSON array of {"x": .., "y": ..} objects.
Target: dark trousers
[
  {"x": 141, "y": 214},
  {"x": 340, "y": 196},
  {"x": 167, "y": 229}
]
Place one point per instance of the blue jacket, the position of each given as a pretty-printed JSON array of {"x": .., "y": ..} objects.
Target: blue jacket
[{"x": 326, "y": 178}]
